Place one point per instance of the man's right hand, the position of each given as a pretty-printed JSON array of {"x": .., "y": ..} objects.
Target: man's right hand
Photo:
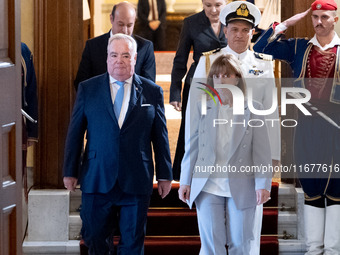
[
  {"x": 177, "y": 105},
  {"x": 295, "y": 19},
  {"x": 70, "y": 183},
  {"x": 184, "y": 193}
]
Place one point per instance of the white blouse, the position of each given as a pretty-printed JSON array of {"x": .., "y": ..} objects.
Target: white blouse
[{"x": 218, "y": 182}]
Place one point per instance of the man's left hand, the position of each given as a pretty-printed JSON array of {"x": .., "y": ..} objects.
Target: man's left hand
[
  {"x": 164, "y": 188},
  {"x": 262, "y": 196}
]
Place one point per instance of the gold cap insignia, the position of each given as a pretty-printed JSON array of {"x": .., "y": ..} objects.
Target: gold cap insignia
[{"x": 242, "y": 10}]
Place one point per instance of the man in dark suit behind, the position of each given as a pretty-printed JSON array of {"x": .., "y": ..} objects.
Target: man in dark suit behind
[
  {"x": 116, "y": 172},
  {"x": 152, "y": 21},
  {"x": 93, "y": 61}
]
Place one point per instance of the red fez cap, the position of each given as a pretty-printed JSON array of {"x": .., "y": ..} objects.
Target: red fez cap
[{"x": 326, "y": 5}]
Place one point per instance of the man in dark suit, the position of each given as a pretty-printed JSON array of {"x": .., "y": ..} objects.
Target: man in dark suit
[
  {"x": 93, "y": 61},
  {"x": 152, "y": 21},
  {"x": 122, "y": 114}
]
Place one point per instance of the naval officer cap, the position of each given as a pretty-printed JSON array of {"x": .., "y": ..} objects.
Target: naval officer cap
[
  {"x": 325, "y": 5},
  {"x": 240, "y": 10}
]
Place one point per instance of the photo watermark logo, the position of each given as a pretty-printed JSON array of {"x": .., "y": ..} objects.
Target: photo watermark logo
[{"x": 300, "y": 96}]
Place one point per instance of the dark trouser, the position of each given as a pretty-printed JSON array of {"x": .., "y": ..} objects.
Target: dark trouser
[
  {"x": 317, "y": 156},
  {"x": 322, "y": 202},
  {"x": 176, "y": 168},
  {"x": 317, "y": 152},
  {"x": 156, "y": 36},
  {"x": 99, "y": 213}
]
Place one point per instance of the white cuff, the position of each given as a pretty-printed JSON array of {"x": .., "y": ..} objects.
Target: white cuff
[{"x": 279, "y": 28}]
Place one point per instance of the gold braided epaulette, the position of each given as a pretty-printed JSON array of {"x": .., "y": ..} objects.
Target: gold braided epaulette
[
  {"x": 207, "y": 58},
  {"x": 207, "y": 53},
  {"x": 263, "y": 56}
]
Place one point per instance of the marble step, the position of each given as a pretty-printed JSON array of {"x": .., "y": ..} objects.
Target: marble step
[
  {"x": 70, "y": 247},
  {"x": 75, "y": 200},
  {"x": 287, "y": 197},
  {"x": 287, "y": 225},
  {"x": 292, "y": 247},
  {"x": 286, "y": 247}
]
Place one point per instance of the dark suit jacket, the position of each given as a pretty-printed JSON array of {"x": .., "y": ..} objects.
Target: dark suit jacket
[
  {"x": 29, "y": 91},
  {"x": 198, "y": 34},
  {"x": 144, "y": 10},
  {"x": 113, "y": 154},
  {"x": 93, "y": 60}
]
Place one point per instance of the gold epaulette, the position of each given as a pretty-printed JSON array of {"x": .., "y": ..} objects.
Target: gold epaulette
[
  {"x": 207, "y": 58},
  {"x": 263, "y": 56}
]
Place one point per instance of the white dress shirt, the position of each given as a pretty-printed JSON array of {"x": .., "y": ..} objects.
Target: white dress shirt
[
  {"x": 127, "y": 92},
  {"x": 150, "y": 18},
  {"x": 335, "y": 41}
]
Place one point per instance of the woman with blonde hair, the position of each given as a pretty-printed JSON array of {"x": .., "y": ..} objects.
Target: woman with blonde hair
[{"x": 201, "y": 32}]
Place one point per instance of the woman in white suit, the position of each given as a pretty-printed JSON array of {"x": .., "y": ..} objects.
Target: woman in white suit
[{"x": 221, "y": 150}]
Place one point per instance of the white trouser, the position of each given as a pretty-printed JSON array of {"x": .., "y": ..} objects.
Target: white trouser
[
  {"x": 332, "y": 230},
  {"x": 314, "y": 229},
  {"x": 221, "y": 223},
  {"x": 256, "y": 242},
  {"x": 322, "y": 230}
]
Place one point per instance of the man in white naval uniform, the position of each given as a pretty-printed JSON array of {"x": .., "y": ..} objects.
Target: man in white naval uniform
[{"x": 240, "y": 18}]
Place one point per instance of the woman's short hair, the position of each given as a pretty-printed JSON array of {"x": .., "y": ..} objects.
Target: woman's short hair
[{"x": 227, "y": 64}]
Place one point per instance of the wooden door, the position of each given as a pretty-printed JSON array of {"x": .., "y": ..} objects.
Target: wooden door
[
  {"x": 10, "y": 129},
  {"x": 58, "y": 46}
]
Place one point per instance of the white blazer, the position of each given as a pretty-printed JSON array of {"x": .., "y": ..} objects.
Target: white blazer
[{"x": 249, "y": 146}]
